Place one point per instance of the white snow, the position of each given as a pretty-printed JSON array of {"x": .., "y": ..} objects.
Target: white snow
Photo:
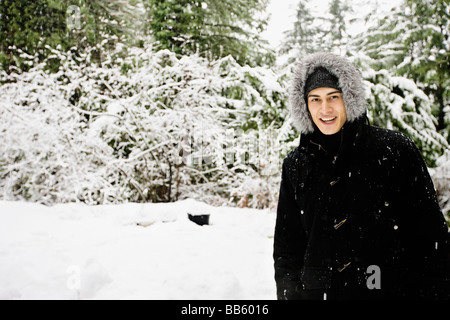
[{"x": 135, "y": 251}]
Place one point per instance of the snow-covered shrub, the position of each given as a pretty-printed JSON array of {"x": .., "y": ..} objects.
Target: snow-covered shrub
[
  {"x": 141, "y": 126},
  {"x": 257, "y": 192},
  {"x": 45, "y": 156},
  {"x": 189, "y": 126}
]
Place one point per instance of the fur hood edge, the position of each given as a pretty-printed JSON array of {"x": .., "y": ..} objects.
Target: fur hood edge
[{"x": 350, "y": 82}]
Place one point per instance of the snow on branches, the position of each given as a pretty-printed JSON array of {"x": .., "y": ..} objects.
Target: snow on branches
[{"x": 145, "y": 126}]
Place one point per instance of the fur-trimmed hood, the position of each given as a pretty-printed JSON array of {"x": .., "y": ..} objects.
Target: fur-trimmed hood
[{"x": 350, "y": 82}]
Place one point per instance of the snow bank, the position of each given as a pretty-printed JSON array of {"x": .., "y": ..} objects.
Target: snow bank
[{"x": 134, "y": 251}]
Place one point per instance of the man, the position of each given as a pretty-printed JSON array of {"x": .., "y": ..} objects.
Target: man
[{"x": 358, "y": 216}]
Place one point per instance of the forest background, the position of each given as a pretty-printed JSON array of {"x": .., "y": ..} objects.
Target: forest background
[{"x": 115, "y": 101}]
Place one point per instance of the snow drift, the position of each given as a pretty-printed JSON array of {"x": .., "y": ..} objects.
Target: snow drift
[{"x": 134, "y": 251}]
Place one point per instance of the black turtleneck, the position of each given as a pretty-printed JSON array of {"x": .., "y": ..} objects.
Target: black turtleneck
[
  {"x": 330, "y": 143},
  {"x": 341, "y": 143}
]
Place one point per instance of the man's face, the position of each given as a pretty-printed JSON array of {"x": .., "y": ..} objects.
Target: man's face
[{"x": 327, "y": 109}]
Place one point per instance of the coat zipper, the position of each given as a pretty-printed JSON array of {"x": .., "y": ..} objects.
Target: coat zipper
[{"x": 320, "y": 146}]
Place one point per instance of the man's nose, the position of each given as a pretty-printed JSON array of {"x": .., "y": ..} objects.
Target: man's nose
[{"x": 325, "y": 107}]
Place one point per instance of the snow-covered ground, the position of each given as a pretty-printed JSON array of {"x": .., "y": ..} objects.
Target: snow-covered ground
[{"x": 134, "y": 251}]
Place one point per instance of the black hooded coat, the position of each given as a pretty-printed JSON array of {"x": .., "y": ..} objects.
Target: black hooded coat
[{"x": 358, "y": 216}]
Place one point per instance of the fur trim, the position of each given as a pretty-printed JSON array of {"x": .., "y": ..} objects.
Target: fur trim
[{"x": 350, "y": 81}]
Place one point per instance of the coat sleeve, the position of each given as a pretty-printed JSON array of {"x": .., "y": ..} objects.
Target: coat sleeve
[
  {"x": 289, "y": 241},
  {"x": 427, "y": 232}
]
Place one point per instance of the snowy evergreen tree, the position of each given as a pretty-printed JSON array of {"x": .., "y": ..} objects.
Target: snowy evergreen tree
[
  {"x": 398, "y": 103},
  {"x": 427, "y": 57},
  {"x": 302, "y": 38},
  {"x": 212, "y": 28},
  {"x": 317, "y": 30},
  {"x": 337, "y": 32},
  {"x": 100, "y": 19},
  {"x": 31, "y": 27},
  {"x": 413, "y": 41}
]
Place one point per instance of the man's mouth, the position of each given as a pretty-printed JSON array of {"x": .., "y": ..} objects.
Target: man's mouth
[{"x": 328, "y": 120}]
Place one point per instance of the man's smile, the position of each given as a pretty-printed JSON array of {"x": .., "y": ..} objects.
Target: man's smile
[{"x": 329, "y": 120}]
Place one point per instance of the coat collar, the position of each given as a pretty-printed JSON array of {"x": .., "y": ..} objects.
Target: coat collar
[{"x": 349, "y": 139}]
